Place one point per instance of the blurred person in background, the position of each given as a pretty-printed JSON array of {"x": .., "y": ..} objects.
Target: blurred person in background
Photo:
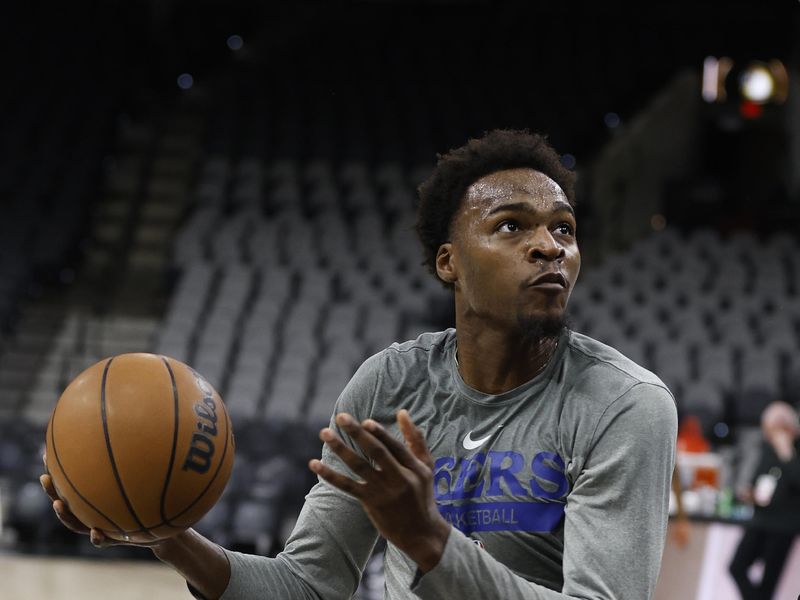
[
  {"x": 509, "y": 457},
  {"x": 776, "y": 496}
]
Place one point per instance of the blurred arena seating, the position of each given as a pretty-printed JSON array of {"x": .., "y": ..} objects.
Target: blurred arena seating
[
  {"x": 51, "y": 157},
  {"x": 716, "y": 318},
  {"x": 278, "y": 302}
]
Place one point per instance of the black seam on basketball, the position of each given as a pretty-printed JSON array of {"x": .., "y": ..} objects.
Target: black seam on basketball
[
  {"x": 109, "y": 449},
  {"x": 69, "y": 481},
  {"x": 219, "y": 466},
  {"x": 162, "y": 503}
]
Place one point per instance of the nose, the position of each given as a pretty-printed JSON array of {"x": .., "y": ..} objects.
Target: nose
[{"x": 543, "y": 246}]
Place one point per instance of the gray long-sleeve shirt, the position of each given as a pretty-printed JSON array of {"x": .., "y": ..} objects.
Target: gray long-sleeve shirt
[{"x": 556, "y": 489}]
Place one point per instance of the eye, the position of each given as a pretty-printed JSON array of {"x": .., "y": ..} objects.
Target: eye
[
  {"x": 565, "y": 229},
  {"x": 508, "y": 226}
]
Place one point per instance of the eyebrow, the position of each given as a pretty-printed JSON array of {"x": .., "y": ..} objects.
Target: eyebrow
[{"x": 525, "y": 207}]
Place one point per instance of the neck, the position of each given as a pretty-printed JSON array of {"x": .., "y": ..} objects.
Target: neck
[{"x": 494, "y": 362}]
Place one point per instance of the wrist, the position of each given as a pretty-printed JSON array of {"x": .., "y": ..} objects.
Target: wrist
[
  {"x": 428, "y": 551},
  {"x": 202, "y": 563},
  {"x": 167, "y": 548}
]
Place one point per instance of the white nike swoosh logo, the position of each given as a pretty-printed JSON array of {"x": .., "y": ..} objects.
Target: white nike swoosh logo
[{"x": 471, "y": 444}]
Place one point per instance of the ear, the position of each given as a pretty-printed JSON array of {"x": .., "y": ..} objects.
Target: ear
[{"x": 446, "y": 264}]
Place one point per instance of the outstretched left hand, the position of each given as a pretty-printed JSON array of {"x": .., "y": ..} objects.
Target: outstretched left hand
[{"x": 396, "y": 487}]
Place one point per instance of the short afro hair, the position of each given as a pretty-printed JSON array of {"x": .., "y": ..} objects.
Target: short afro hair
[{"x": 440, "y": 195}]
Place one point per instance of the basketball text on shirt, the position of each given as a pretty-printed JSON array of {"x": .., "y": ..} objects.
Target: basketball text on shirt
[{"x": 501, "y": 491}]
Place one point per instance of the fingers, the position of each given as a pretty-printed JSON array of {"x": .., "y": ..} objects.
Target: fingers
[
  {"x": 60, "y": 507},
  {"x": 363, "y": 435},
  {"x": 377, "y": 445},
  {"x": 357, "y": 463},
  {"x": 70, "y": 521},
  {"x": 414, "y": 438},
  {"x": 336, "y": 479},
  {"x": 397, "y": 449},
  {"x": 98, "y": 538},
  {"x": 101, "y": 540},
  {"x": 384, "y": 450},
  {"x": 48, "y": 487},
  {"x": 67, "y": 518}
]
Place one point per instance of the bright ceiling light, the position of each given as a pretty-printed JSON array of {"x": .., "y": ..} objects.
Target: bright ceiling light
[{"x": 757, "y": 83}]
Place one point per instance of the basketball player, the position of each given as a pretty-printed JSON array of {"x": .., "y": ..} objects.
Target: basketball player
[{"x": 506, "y": 458}]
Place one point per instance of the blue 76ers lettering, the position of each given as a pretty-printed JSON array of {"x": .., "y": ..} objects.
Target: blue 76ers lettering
[{"x": 501, "y": 491}]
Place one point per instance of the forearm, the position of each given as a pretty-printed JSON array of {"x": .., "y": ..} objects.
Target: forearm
[{"x": 200, "y": 562}]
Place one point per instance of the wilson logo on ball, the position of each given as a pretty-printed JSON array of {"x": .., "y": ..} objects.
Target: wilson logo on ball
[{"x": 201, "y": 449}]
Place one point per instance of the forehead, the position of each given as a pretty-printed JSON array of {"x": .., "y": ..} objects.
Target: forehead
[{"x": 522, "y": 183}]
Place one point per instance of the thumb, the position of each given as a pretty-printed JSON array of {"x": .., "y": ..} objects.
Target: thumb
[{"x": 414, "y": 438}]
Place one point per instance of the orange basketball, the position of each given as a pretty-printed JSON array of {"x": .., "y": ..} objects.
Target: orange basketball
[{"x": 139, "y": 446}]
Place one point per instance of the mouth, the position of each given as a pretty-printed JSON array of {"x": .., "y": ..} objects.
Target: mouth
[{"x": 552, "y": 280}]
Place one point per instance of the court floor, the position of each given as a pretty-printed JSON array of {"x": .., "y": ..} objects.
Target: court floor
[
  {"x": 696, "y": 572},
  {"x": 37, "y": 578},
  {"x": 700, "y": 570}
]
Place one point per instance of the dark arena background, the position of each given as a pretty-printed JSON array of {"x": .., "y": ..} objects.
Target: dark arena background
[{"x": 232, "y": 184}]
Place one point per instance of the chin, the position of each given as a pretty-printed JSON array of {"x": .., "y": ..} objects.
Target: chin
[{"x": 545, "y": 325}]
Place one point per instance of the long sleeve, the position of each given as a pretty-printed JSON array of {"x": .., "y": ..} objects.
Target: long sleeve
[
  {"x": 323, "y": 558},
  {"x": 615, "y": 520},
  {"x": 333, "y": 538}
]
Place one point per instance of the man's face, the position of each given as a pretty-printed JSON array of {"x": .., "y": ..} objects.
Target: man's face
[{"x": 513, "y": 256}]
